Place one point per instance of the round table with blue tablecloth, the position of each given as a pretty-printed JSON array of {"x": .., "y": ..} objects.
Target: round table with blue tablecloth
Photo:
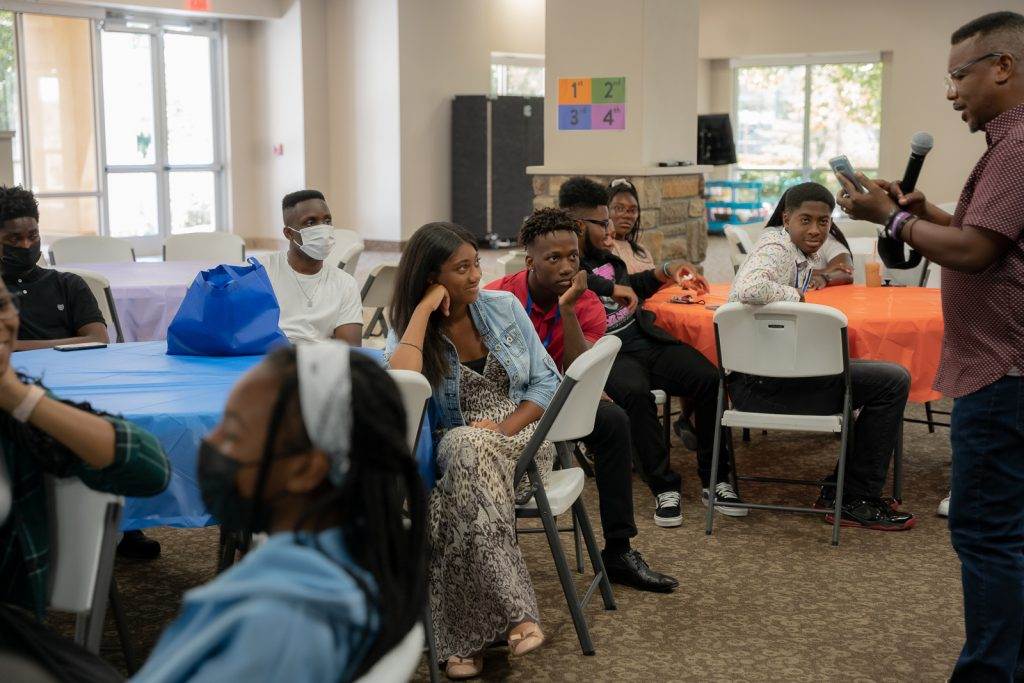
[{"x": 178, "y": 399}]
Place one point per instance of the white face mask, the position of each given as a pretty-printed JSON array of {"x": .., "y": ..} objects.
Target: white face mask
[{"x": 317, "y": 241}]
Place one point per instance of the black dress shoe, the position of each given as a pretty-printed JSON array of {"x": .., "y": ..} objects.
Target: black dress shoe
[
  {"x": 136, "y": 546},
  {"x": 630, "y": 569}
]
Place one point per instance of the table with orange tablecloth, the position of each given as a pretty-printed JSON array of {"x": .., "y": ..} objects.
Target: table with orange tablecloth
[{"x": 898, "y": 324}]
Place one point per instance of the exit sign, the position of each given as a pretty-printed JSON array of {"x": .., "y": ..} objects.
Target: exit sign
[{"x": 198, "y": 5}]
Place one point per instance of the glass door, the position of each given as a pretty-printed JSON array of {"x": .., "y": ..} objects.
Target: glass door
[{"x": 162, "y": 143}]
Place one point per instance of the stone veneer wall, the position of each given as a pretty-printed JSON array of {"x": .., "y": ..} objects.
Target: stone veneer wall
[{"x": 671, "y": 207}]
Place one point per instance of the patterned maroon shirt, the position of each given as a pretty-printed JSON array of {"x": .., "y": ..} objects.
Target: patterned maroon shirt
[{"x": 984, "y": 312}]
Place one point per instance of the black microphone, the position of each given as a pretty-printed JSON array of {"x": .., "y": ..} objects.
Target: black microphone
[
  {"x": 920, "y": 145},
  {"x": 891, "y": 250}
]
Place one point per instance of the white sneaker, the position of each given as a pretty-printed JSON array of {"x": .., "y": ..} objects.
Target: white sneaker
[
  {"x": 724, "y": 494},
  {"x": 669, "y": 512},
  {"x": 943, "y": 510}
]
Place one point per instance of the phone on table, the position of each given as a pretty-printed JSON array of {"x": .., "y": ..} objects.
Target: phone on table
[
  {"x": 685, "y": 299},
  {"x": 84, "y": 346},
  {"x": 842, "y": 166}
]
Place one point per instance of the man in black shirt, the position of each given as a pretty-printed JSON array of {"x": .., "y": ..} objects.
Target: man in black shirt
[
  {"x": 56, "y": 307},
  {"x": 650, "y": 358}
]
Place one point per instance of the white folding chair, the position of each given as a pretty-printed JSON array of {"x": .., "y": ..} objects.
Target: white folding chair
[
  {"x": 99, "y": 285},
  {"x": 569, "y": 416},
  {"x": 415, "y": 391},
  {"x": 782, "y": 340},
  {"x": 400, "y": 663},
  {"x": 344, "y": 253},
  {"x": 741, "y": 245},
  {"x": 222, "y": 247},
  {"x": 84, "y": 528},
  {"x": 377, "y": 292},
  {"x": 91, "y": 249},
  {"x": 854, "y": 229},
  {"x": 512, "y": 262}
]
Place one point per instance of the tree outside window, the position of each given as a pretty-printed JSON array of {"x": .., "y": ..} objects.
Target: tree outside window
[{"x": 791, "y": 119}]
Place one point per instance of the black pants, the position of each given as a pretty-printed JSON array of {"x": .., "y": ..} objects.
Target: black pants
[
  {"x": 880, "y": 393},
  {"x": 678, "y": 370},
  {"x": 613, "y": 471},
  {"x": 66, "y": 661}
]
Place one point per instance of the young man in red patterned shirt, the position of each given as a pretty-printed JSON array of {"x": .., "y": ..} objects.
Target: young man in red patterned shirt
[
  {"x": 981, "y": 250},
  {"x": 569, "y": 318}
]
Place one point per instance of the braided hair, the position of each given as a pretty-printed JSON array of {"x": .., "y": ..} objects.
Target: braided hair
[{"x": 381, "y": 504}]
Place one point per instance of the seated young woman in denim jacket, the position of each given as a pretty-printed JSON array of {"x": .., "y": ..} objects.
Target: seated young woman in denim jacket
[{"x": 492, "y": 380}]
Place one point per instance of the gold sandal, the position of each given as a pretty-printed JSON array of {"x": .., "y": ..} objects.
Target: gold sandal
[
  {"x": 525, "y": 638},
  {"x": 459, "y": 668}
]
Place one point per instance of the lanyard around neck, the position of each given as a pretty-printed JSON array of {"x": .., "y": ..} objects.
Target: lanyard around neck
[{"x": 551, "y": 330}]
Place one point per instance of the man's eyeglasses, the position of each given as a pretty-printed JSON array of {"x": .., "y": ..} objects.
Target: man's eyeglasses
[
  {"x": 595, "y": 221},
  {"x": 9, "y": 305},
  {"x": 956, "y": 74}
]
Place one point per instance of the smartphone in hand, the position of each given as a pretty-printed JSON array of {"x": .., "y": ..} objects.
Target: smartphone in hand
[{"x": 842, "y": 166}]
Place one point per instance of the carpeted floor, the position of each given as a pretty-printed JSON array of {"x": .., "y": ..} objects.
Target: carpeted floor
[{"x": 766, "y": 598}]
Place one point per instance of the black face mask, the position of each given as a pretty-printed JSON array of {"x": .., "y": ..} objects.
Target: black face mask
[
  {"x": 18, "y": 260},
  {"x": 217, "y": 483}
]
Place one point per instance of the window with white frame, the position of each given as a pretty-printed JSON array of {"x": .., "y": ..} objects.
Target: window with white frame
[
  {"x": 117, "y": 121},
  {"x": 793, "y": 114},
  {"x": 517, "y": 74}
]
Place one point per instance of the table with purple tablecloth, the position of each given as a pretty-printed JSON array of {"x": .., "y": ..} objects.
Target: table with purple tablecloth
[{"x": 147, "y": 294}]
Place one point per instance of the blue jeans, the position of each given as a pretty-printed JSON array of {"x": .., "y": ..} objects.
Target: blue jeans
[{"x": 986, "y": 524}]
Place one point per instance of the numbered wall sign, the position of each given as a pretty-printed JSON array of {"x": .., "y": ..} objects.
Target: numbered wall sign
[{"x": 592, "y": 103}]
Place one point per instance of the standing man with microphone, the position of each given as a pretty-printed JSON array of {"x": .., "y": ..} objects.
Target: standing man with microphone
[{"x": 981, "y": 251}]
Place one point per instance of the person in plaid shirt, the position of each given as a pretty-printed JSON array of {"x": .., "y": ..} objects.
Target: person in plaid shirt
[
  {"x": 981, "y": 250},
  {"x": 40, "y": 435}
]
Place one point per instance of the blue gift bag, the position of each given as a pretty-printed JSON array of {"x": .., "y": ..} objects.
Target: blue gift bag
[{"x": 227, "y": 311}]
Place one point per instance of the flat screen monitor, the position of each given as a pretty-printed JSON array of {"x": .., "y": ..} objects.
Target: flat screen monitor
[{"x": 715, "y": 144}]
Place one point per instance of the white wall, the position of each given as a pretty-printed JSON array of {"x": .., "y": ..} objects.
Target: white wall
[
  {"x": 277, "y": 117},
  {"x": 365, "y": 130},
  {"x": 316, "y": 116},
  {"x": 916, "y": 32},
  {"x": 440, "y": 56}
]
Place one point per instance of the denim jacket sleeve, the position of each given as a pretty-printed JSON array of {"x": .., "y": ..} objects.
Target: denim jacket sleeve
[{"x": 544, "y": 377}]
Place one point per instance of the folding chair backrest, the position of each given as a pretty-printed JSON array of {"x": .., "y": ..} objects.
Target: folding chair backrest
[
  {"x": 343, "y": 240},
  {"x": 91, "y": 249},
  {"x": 222, "y": 247},
  {"x": 348, "y": 258},
  {"x": 415, "y": 391},
  {"x": 853, "y": 228},
  {"x": 783, "y": 339},
  {"x": 83, "y": 523},
  {"x": 380, "y": 286},
  {"x": 585, "y": 380},
  {"x": 400, "y": 663},
  {"x": 99, "y": 285}
]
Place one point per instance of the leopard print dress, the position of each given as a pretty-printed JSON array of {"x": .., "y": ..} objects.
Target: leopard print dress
[{"x": 479, "y": 585}]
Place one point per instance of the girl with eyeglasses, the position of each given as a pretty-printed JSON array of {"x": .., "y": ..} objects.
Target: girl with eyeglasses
[{"x": 624, "y": 209}]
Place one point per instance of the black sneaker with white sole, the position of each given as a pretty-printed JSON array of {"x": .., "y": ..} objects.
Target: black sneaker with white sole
[
  {"x": 725, "y": 494},
  {"x": 668, "y": 512}
]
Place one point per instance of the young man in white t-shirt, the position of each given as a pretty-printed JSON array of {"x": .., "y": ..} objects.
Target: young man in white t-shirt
[{"x": 316, "y": 302}]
